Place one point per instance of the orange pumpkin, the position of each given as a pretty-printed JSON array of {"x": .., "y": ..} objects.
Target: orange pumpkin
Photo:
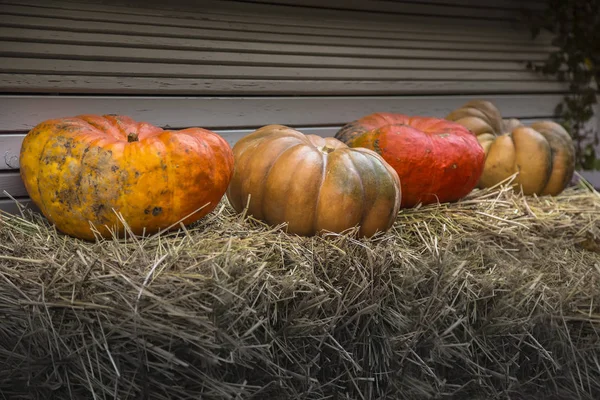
[
  {"x": 313, "y": 184},
  {"x": 542, "y": 154},
  {"x": 436, "y": 160},
  {"x": 86, "y": 168}
]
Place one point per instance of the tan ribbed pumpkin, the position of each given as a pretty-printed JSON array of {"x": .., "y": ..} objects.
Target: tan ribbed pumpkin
[
  {"x": 542, "y": 153},
  {"x": 312, "y": 184}
]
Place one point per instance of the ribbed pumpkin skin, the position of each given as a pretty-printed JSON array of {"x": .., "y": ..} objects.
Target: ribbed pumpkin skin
[
  {"x": 79, "y": 169},
  {"x": 312, "y": 183},
  {"x": 542, "y": 153},
  {"x": 355, "y": 129},
  {"x": 436, "y": 161}
]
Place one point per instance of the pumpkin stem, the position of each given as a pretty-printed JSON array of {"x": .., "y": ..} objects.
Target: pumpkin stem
[
  {"x": 132, "y": 137},
  {"x": 326, "y": 149}
]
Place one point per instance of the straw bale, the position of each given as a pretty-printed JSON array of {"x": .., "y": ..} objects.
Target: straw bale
[{"x": 495, "y": 296}]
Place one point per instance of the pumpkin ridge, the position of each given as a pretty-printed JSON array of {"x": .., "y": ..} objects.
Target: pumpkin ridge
[
  {"x": 247, "y": 150},
  {"x": 291, "y": 181},
  {"x": 207, "y": 150},
  {"x": 170, "y": 175},
  {"x": 393, "y": 210},
  {"x": 549, "y": 168},
  {"x": 39, "y": 187},
  {"x": 82, "y": 168},
  {"x": 362, "y": 188},
  {"x": 61, "y": 163},
  {"x": 241, "y": 155},
  {"x": 122, "y": 126},
  {"x": 349, "y": 133},
  {"x": 378, "y": 164},
  {"x": 268, "y": 172},
  {"x": 325, "y": 159},
  {"x": 94, "y": 126}
]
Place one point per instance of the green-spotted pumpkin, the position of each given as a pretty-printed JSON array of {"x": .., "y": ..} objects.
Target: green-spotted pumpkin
[
  {"x": 82, "y": 171},
  {"x": 313, "y": 184}
]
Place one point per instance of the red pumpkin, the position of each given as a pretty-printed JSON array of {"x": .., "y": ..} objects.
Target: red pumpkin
[{"x": 437, "y": 160}]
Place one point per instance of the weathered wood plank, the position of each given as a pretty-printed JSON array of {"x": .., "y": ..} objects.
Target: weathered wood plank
[
  {"x": 405, "y": 7},
  {"x": 179, "y": 86},
  {"x": 10, "y": 146},
  {"x": 593, "y": 177},
  {"x": 11, "y": 183},
  {"x": 515, "y": 5},
  {"x": 107, "y": 53},
  {"x": 259, "y": 17},
  {"x": 433, "y": 50},
  {"x": 122, "y": 68},
  {"x": 342, "y": 37},
  {"x": 23, "y": 112},
  {"x": 316, "y": 15},
  {"x": 11, "y": 207}
]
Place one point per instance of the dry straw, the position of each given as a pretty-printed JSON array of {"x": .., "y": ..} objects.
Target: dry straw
[{"x": 496, "y": 296}]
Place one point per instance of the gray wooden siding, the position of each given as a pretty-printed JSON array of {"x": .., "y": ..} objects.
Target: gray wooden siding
[{"x": 233, "y": 65}]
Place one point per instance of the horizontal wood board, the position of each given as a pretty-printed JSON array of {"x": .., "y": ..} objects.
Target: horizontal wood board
[
  {"x": 255, "y": 33},
  {"x": 14, "y": 206},
  {"x": 23, "y": 112},
  {"x": 279, "y": 14},
  {"x": 254, "y": 48}
]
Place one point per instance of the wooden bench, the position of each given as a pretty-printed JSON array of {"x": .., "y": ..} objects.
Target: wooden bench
[{"x": 233, "y": 66}]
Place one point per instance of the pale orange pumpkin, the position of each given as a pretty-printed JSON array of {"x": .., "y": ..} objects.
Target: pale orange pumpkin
[
  {"x": 312, "y": 184},
  {"x": 85, "y": 169},
  {"x": 542, "y": 153}
]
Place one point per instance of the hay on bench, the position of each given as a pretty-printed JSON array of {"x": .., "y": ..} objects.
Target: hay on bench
[{"x": 496, "y": 296}]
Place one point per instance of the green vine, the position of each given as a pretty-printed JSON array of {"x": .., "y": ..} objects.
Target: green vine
[{"x": 575, "y": 27}]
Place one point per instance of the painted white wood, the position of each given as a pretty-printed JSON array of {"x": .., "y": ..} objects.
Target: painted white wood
[
  {"x": 235, "y": 12},
  {"x": 12, "y": 207},
  {"x": 11, "y": 185},
  {"x": 124, "y": 68},
  {"x": 23, "y": 112},
  {"x": 593, "y": 177},
  {"x": 71, "y": 58},
  {"x": 10, "y": 146},
  {"x": 418, "y": 49},
  {"x": 181, "y": 86},
  {"x": 337, "y": 37},
  {"x": 502, "y": 4},
  {"x": 417, "y": 8},
  {"x": 120, "y": 53}
]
